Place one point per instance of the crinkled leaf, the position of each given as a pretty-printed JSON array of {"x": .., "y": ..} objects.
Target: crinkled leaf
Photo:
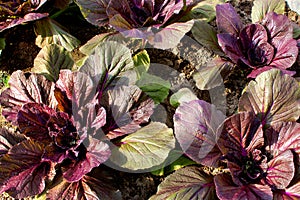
[
  {"x": 97, "y": 153},
  {"x": 206, "y": 35},
  {"x": 50, "y": 60},
  {"x": 154, "y": 86},
  {"x": 240, "y": 135},
  {"x": 9, "y": 138},
  {"x": 213, "y": 74},
  {"x": 186, "y": 183},
  {"x": 290, "y": 193},
  {"x": 94, "y": 11},
  {"x": 146, "y": 148},
  {"x": 50, "y": 32},
  {"x": 281, "y": 170},
  {"x": 74, "y": 91},
  {"x": 141, "y": 61},
  {"x": 109, "y": 60},
  {"x": 26, "y": 88},
  {"x": 127, "y": 108},
  {"x": 228, "y": 21},
  {"x": 280, "y": 31},
  {"x": 195, "y": 125},
  {"x": 22, "y": 171},
  {"x": 283, "y": 136},
  {"x": 170, "y": 36},
  {"x": 227, "y": 190},
  {"x": 181, "y": 96},
  {"x": 32, "y": 120},
  {"x": 88, "y": 187},
  {"x": 273, "y": 96},
  {"x": 262, "y": 7}
]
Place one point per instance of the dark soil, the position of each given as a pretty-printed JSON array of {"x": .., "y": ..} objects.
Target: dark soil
[{"x": 21, "y": 51}]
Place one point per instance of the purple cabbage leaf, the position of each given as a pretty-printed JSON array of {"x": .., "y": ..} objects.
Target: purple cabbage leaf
[
  {"x": 153, "y": 21},
  {"x": 186, "y": 183},
  {"x": 23, "y": 172},
  {"x": 195, "y": 126},
  {"x": 14, "y": 13},
  {"x": 259, "y": 164},
  {"x": 89, "y": 187},
  {"x": 260, "y": 46},
  {"x": 25, "y": 88},
  {"x": 273, "y": 97},
  {"x": 9, "y": 138}
]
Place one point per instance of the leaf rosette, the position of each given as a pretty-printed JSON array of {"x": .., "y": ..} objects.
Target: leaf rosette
[{"x": 261, "y": 46}]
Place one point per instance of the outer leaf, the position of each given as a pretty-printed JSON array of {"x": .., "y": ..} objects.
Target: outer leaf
[
  {"x": 205, "y": 10},
  {"x": 262, "y": 7},
  {"x": 154, "y": 86},
  {"x": 294, "y": 5},
  {"x": 283, "y": 136},
  {"x": 281, "y": 170},
  {"x": 273, "y": 96},
  {"x": 170, "y": 36},
  {"x": 213, "y": 74},
  {"x": 195, "y": 126},
  {"x": 291, "y": 193},
  {"x": 89, "y": 47},
  {"x": 231, "y": 46},
  {"x": 88, "y": 187},
  {"x": 227, "y": 190},
  {"x": 146, "y": 148},
  {"x": 50, "y": 32},
  {"x": 9, "y": 138},
  {"x": 181, "y": 96},
  {"x": 108, "y": 61},
  {"x": 206, "y": 35},
  {"x": 186, "y": 183},
  {"x": 94, "y": 11},
  {"x": 50, "y": 60},
  {"x": 25, "y": 88},
  {"x": 17, "y": 20},
  {"x": 22, "y": 171},
  {"x": 228, "y": 21}
]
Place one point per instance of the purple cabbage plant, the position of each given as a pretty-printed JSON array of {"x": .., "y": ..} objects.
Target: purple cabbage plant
[
  {"x": 14, "y": 12},
  {"x": 261, "y": 46},
  {"x": 156, "y": 21},
  {"x": 67, "y": 128},
  {"x": 253, "y": 154}
]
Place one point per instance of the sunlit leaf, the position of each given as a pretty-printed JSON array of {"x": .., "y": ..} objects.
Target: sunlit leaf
[
  {"x": 50, "y": 60},
  {"x": 146, "y": 148},
  {"x": 50, "y": 32},
  {"x": 262, "y": 7}
]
